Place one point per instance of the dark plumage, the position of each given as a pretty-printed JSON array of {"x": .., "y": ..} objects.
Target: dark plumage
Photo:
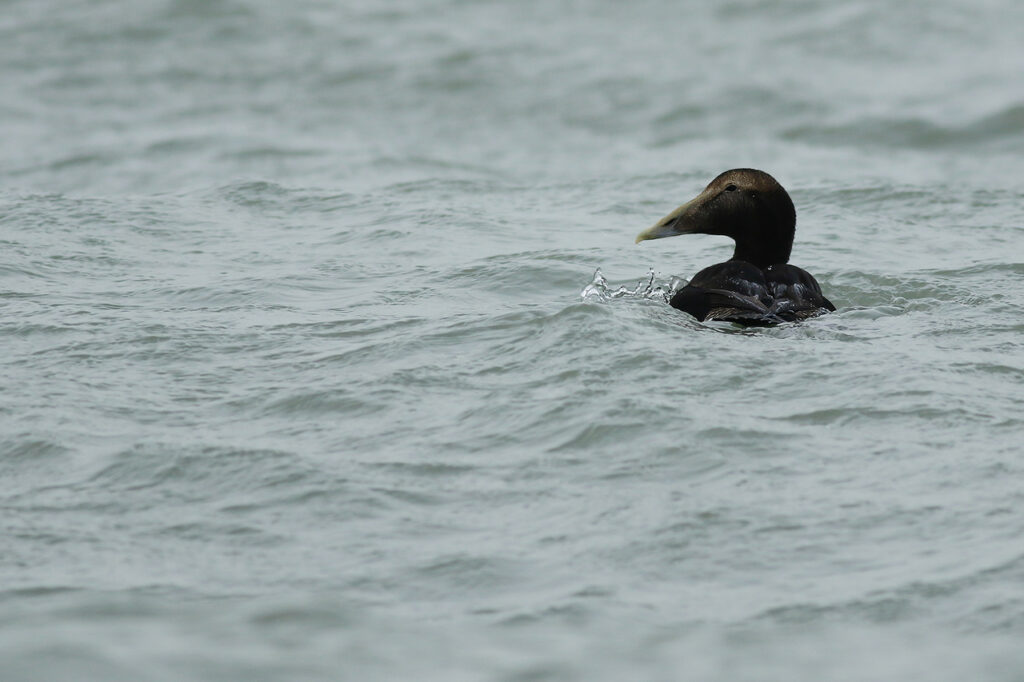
[{"x": 756, "y": 286}]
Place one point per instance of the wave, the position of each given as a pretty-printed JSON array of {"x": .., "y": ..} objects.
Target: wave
[{"x": 1005, "y": 127}]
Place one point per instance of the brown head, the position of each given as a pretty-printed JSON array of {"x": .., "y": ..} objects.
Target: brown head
[{"x": 745, "y": 204}]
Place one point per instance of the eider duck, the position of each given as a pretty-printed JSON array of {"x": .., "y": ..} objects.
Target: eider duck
[{"x": 757, "y": 286}]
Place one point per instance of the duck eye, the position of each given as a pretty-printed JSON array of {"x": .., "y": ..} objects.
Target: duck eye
[{"x": 730, "y": 188}]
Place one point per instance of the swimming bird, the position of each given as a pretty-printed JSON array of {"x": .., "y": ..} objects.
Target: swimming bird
[{"x": 757, "y": 286}]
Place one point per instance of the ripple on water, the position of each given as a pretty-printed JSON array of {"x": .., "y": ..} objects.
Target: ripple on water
[{"x": 148, "y": 475}]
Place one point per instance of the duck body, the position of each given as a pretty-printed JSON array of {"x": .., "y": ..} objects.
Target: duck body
[
  {"x": 741, "y": 292},
  {"x": 757, "y": 286}
]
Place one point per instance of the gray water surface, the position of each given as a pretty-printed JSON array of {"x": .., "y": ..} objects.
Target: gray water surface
[{"x": 303, "y": 378}]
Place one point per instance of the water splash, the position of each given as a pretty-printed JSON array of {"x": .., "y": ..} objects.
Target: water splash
[{"x": 648, "y": 288}]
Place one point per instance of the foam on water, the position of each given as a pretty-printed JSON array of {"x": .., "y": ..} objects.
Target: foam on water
[{"x": 648, "y": 289}]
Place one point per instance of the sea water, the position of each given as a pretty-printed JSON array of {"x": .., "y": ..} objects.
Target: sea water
[{"x": 328, "y": 353}]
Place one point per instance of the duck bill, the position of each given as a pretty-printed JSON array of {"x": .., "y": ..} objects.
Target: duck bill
[{"x": 679, "y": 221}]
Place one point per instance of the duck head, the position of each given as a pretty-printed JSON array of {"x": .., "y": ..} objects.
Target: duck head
[{"x": 746, "y": 204}]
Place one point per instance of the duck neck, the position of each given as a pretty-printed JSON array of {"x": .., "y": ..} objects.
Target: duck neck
[{"x": 763, "y": 254}]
